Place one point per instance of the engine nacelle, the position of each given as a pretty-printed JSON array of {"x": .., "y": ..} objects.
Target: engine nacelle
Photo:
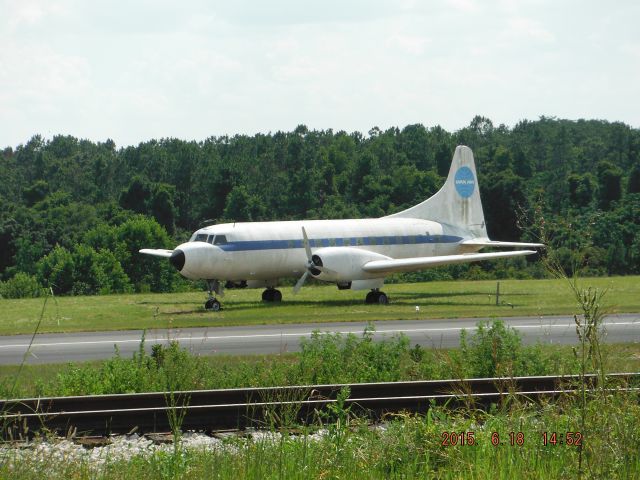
[{"x": 345, "y": 263}]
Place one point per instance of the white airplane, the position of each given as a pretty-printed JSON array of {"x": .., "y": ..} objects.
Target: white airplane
[{"x": 354, "y": 254}]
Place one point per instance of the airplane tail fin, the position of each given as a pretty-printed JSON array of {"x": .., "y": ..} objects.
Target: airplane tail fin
[{"x": 457, "y": 204}]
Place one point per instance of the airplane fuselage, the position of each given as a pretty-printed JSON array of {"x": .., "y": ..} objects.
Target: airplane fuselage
[{"x": 270, "y": 250}]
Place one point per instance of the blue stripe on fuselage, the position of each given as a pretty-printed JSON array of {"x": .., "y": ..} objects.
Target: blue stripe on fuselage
[{"x": 240, "y": 246}]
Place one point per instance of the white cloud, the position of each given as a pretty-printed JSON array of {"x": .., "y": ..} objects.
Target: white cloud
[
  {"x": 30, "y": 13},
  {"x": 528, "y": 28},
  {"x": 412, "y": 44},
  {"x": 467, "y": 6},
  {"x": 134, "y": 71}
]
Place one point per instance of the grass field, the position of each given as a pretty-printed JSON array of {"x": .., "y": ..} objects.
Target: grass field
[{"x": 312, "y": 304}]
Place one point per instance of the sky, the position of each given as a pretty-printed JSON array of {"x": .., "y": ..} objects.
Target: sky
[{"x": 135, "y": 70}]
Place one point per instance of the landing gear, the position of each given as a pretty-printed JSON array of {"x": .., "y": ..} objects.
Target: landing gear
[
  {"x": 271, "y": 295},
  {"x": 211, "y": 303},
  {"x": 376, "y": 296}
]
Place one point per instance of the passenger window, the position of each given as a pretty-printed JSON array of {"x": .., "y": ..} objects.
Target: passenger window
[{"x": 220, "y": 240}]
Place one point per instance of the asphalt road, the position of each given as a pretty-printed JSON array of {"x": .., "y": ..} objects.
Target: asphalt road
[{"x": 70, "y": 347}]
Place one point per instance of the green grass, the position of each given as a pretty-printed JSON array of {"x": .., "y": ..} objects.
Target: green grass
[{"x": 312, "y": 304}]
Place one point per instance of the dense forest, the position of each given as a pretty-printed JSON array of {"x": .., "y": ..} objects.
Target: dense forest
[{"x": 73, "y": 213}]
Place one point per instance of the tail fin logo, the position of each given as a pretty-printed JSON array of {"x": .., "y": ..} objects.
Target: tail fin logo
[{"x": 465, "y": 182}]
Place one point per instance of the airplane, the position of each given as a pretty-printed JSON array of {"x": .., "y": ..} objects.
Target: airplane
[{"x": 356, "y": 254}]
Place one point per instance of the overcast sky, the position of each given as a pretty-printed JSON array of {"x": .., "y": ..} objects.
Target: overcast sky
[{"x": 136, "y": 70}]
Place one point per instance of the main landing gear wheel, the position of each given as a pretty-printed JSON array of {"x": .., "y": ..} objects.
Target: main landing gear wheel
[
  {"x": 213, "y": 305},
  {"x": 271, "y": 295},
  {"x": 376, "y": 296}
]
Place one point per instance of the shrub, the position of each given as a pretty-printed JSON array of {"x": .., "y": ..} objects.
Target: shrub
[
  {"x": 21, "y": 285},
  {"x": 496, "y": 350},
  {"x": 332, "y": 357}
]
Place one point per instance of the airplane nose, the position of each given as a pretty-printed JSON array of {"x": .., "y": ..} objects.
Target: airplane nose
[{"x": 177, "y": 259}]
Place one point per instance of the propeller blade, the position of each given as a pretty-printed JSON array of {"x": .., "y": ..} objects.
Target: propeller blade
[
  {"x": 300, "y": 282},
  {"x": 305, "y": 242},
  {"x": 311, "y": 264}
]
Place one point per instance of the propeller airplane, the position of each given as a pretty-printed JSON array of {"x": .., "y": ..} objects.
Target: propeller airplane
[{"x": 357, "y": 254}]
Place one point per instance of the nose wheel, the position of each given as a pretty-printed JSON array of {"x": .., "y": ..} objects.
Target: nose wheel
[
  {"x": 376, "y": 296},
  {"x": 271, "y": 295},
  {"x": 212, "y": 304}
]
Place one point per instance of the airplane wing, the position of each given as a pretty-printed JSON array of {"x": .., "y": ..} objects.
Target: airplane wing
[
  {"x": 418, "y": 263},
  {"x": 157, "y": 252},
  {"x": 485, "y": 242}
]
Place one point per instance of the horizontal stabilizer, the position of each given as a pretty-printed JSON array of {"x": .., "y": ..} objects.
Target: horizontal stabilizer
[
  {"x": 157, "y": 252},
  {"x": 420, "y": 263},
  {"x": 485, "y": 242}
]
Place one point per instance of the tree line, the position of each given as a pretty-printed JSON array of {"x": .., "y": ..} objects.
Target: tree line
[{"x": 73, "y": 213}]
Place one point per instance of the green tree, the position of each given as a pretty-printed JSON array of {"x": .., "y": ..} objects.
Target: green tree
[
  {"x": 633, "y": 186},
  {"x": 609, "y": 183},
  {"x": 162, "y": 207},
  {"x": 581, "y": 189},
  {"x": 36, "y": 192},
  {"x": 28, "y": 251},
  {"x": 136, "y": 196},
  {"x": 503, "y": 198},
  {"x": 145, "y": 272},
  {"x": 56, "y": 270},
  {"x": 97, "y": 272},
  {"x": 241, "y": 206}
]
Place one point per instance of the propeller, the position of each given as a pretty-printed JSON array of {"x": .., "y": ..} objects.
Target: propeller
[{"x": 313, "y": 267}]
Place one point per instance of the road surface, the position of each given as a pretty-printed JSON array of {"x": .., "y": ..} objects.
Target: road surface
[{"x": 263, "y": 339}]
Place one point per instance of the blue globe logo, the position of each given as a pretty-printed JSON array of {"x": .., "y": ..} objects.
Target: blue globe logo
[{"x": 465, "y": 182}]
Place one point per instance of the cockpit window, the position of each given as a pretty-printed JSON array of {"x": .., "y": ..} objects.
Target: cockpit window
[
  {"x": 201, "y": 237},
  {"x": 220, "y": 240},
  {"x": 210, "y": 239}
]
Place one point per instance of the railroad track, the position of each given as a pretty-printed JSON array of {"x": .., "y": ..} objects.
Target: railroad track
[{"x": 214, "y": 410}]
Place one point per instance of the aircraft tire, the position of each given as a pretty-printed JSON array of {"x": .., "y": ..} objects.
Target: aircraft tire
[
  {"x": 371, "y": 297},
  {"x": 213, "y": 305},
  {"x": 271, "y": 295},
  {"x": 382, "y": 298}
]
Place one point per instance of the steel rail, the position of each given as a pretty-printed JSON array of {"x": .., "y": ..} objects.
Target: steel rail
[{"x": 210, "y": 410}]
